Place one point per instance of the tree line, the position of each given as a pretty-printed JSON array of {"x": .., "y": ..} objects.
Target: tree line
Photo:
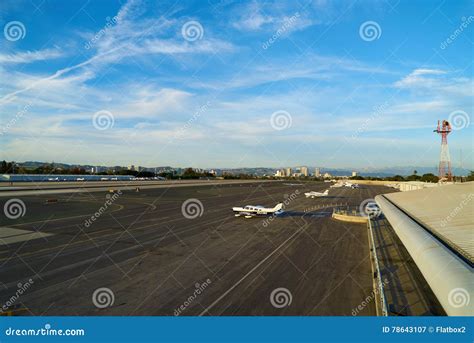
[{"x": 189, "y": 173}]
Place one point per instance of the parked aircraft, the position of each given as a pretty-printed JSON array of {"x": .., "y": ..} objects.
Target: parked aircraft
[
  {"x": 250, "y": 211},
  {"x": 314, "y": 194},
  {"x": 351, "y": 185}
]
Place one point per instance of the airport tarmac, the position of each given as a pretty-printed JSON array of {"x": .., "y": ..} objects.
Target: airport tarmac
[{"x": 156, "y": 259}]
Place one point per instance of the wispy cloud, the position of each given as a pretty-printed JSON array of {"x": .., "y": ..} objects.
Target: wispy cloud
[
  {"x": 139, "y": 67},
  {"x": 438, "y": 82},
  {"x": 130, "y": 37},
  {"x": 270, "y": 16},
  {"x": 418, "y": 77},
  {"x": 253, "y": 18},
  {"x": 30, "y": 56}
]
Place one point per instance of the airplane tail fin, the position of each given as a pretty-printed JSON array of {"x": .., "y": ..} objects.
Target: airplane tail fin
[{"x": 278, "y": 207}]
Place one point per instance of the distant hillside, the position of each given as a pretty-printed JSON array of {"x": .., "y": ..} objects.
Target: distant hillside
[
  {"x": 260, "y": 171},
  {"x": 408, "y": 170}
]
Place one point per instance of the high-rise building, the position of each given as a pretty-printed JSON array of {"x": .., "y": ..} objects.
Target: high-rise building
[
  {"x": 288, "y": 172},
  {"x": 304, "y": 171},
  {"x": 317, "y": 172},
  {"x": 354, "y": 173}
]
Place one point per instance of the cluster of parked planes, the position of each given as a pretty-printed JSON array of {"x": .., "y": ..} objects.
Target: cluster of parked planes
[{"x": 250, "y": 211}]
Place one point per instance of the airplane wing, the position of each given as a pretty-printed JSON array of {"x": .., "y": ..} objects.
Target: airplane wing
[{"x": 278, "y": 207}]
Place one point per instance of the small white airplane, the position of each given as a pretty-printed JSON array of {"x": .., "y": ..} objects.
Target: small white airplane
[
  {"x": 314, "y": 194},
  {"x": 250, "y": 211}
]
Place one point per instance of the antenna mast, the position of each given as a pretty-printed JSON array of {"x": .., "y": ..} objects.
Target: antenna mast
[{"x": 444, "y": 169}]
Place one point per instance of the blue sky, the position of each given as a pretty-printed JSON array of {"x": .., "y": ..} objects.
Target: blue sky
[{"x": 220, "y": 83}]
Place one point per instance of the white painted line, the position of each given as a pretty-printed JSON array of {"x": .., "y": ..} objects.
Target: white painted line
[
  {"x": 9, "y": 235},
  {"x": 250, "y": 272}
]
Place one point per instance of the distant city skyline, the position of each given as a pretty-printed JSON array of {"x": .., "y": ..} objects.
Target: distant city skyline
[
  {"x": 281, "y": 171},
  {"x": 353, "y": 84}
]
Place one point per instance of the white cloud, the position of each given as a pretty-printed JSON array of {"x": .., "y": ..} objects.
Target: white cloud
[
  {"x": 256, "y": 16},
  {"x": 422, "y": 71},
  {"x": 254, "y": 22},
  {"x": 437, "y": 83},
  {"x": 418, "y": 78},
  {"x": 272, "y": 15},
  {"x": 152, "y": 81},
  {"x": 132, "y": 36},
  {"x": 170, "y": 103},
  {"x": 420, "y": 106},
  {"x": 309, "y": 67},
  {"x": 30, "y": 56}
]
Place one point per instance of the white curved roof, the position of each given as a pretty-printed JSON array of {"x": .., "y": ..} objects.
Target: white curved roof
[
  {"x": 446, "y": 211},
  {"x": 436, "y": 227}
]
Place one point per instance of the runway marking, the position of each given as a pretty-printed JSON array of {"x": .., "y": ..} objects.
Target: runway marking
[
  {"x": 72, "y": 217},
  {"x": 133, "y": 229},
  {"x": 122, "y": 217},
  {"x": 10, "y": 235},
  {"x": 105, "y": 188},
  {"x": 250, "y": 272},
  {"x": 146, "y": 232},
  {"x": 159, "y": 237},
  {"x": 76, "y": 264}
]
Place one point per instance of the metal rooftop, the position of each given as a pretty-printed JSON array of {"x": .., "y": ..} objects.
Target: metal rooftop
[{"x": 446, "y": 211}]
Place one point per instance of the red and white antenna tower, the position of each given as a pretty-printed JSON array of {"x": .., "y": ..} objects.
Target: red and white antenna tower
[{"x": 444, "y": 170}]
